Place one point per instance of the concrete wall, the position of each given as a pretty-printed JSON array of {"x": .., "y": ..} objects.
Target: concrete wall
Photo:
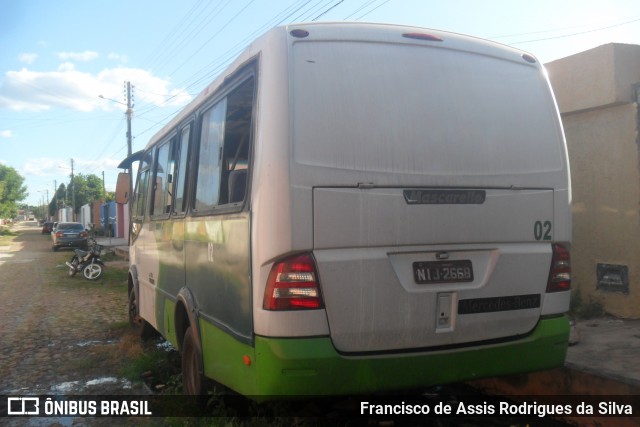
[
  {"x": 85, "y": 216},
  {"x": 597, "y": 78},
  {"x": 95, "y": 213},
  {"x": 596, "y": 95},
  {"x": 65, "y": 215}
]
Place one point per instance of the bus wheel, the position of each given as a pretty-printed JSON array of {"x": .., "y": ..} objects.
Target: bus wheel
[
  {"x": 140, "y": 327},
  {"x": 193, "y": 382}
]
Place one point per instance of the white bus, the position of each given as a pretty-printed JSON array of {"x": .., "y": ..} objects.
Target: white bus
[{"x": 357, "y": 208}]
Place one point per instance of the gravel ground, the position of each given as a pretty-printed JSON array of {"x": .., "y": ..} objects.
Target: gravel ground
[{"x": 59, "y": 335}]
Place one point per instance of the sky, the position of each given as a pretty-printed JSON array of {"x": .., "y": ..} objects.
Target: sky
[{"x": 58, "y": 56}]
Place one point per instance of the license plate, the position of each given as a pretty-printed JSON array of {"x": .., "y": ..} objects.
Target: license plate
[
  {"x": 71, "y": 235},
  {"x": 443, "y": 271}
]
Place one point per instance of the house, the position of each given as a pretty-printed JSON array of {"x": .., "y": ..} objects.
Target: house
[
  {"x": 114, "y": 219},
  {"x": 597, "y": 92}
]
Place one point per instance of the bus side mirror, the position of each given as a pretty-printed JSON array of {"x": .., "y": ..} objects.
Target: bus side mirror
[{"x": 123, "y": 186}]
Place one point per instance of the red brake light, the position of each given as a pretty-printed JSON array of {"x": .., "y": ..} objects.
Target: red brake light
[
  {"x": 84, "y": 234},
  {"x": 422, "y": 36},
  {"x": 293, "y": 285},
  {"x": 59, "y": 234},
  {"x": 560, "y": 273}
]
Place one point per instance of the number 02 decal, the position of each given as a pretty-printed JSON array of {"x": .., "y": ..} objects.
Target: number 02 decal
[{"x": 542, "y": 230}]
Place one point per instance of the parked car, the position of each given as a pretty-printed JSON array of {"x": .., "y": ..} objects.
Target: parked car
[
  {"x": 47, "y": 227},
  {"x": 69, "y": 235}
]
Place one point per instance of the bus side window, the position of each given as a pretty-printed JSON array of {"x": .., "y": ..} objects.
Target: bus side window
[
  {"x": 141, "y": 193},
  {"x": 169, "y": 189},
  {"x": 163, "y": 178},
  {"x": 139, "y": 201},
  {"x": 181, "y": 172},
  {"x": 224, "y": 149},
  {"x": 160, "y": 176},
  {"x": 208, "y": 181},
  {"x": 237, "y": 142}
]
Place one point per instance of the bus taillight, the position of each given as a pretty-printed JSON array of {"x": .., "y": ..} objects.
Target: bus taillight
[
  {"x": 293, "y": 285},
  {"x": 560, "y": 274}
]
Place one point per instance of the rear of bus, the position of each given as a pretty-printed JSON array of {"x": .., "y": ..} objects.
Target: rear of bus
[{"x": 415, "y": 229}]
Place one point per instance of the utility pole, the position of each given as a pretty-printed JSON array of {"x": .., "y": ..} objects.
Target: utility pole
[
  {"x": 55, "y": 198},
  {"x": 128, "y": 89},
  {"x": 129, "y": 143},
  {"x": 129, "y": 115},
  {"x": 73, "y": 195},
  {"x": 104, "y": 191}
]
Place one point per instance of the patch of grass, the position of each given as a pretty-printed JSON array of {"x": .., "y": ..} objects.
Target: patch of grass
[
  {"x": 140, "y": 365},
  {"x": 7, "y": 232},
  {"x": 114, "y": 276},
  {"x": 156, "y": 365},
  {"x": 110, "y": 256},
  {"x": 119, "y": 326},
  {"x": 6, "y": 236}
]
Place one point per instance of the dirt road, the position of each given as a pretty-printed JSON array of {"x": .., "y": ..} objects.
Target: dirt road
[{"x": 59, "y": 335}]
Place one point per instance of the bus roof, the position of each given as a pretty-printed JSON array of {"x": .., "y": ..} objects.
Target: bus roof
[{"x": 350, "y": 31}]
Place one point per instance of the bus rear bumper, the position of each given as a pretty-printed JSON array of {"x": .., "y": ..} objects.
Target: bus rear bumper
[{"x": 311, "y": 366}]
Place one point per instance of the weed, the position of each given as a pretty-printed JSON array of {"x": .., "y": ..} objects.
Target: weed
[{"x": 158, "y": 367}]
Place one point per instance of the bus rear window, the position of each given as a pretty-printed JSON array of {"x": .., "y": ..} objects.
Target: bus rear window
[{"x": 420, "y": 110}]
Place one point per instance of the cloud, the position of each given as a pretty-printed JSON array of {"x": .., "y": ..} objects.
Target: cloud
[
  {"x": 6, "y": 134},
  {"x": 44, "y": 167},
  {"x": 87, "y": 55},
  {"x": 94, "y": 166},
  {"x": 118, "y": 57},
  {"x": 29, "y": 58},
  {"x": 47, "y": 167},
  {"x": 68, "y": 87}
]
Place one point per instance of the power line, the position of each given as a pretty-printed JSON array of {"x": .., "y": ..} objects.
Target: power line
[
  {"x": 206, "y": 73},
  {"x": 579, "y": 33},
  {"x": 309, "y": 10},
  {"x": 372, "y": 10},
  {"x": 204, "y": 20},
  {"x": 328, "y": 10},
  {"x": 172, "y": 35},
  {"x": 230, "y": 54},
  {"x": 213, "y": 36},
  {"x": 298, "y": 9},
  {"x": 362, "y": 6}
]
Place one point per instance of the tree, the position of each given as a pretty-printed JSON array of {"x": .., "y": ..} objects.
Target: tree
[
  {"x": 88, "y": 188},
  {"x": 12, "y": 191},
  {"x": 58, "y": 201}
]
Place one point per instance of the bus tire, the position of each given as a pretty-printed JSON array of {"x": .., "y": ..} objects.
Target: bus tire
[
  {"x": 140, "y": 327},
  {"x": 193, "y": 382}
]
